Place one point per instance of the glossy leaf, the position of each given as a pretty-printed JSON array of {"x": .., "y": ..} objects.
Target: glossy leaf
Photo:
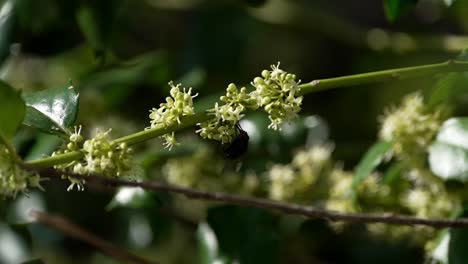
[
  {"x": 52, "y": 110},
  {"x": 12, "y": 110},
  {"x": 7, "y": 24},
  {"x": 207, "y": 244},
  {"x": 370, "y": 161},
  {"x": 395, "y": 8},
  {"x": 448, "y": 156}
]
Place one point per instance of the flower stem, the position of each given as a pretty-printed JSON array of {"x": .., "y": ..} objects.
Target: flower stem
[
  {"x": 306, "y": 88},
  {"x": 383, "y": 76}
]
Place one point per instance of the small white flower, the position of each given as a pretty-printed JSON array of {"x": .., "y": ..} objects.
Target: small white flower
[{"x": 180, "y": 104}]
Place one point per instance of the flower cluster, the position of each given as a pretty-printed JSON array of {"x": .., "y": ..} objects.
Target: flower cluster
[
  {"x": 295, "y": 181},
  {"x": 179, "y": 104},
  {"x": 278, "y": 93},
  {"x": 430, "y": 203},
  {"x": 101, "y": 156},
  {"x": 206, "y": 170},
  {"x": 411, "y": 127},
  {"x": 226, "y": 116},
  {"x": 13, "y": 179}
]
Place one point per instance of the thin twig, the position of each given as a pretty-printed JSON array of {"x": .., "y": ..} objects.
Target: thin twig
[
  {"x": 75, "y": 231},
  {"x": 287, "y": 208}
]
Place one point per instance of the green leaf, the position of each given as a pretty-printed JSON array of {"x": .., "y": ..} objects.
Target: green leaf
[
  {"x": 392, "y": 174},
  {"x": 370, "y": 161},
  {"x": 457, "y": 253},
  {"x": 52, "y": 110},
  {"x": 133, "y": 197},
  {"x": 207, "y": 244},
  {"x": 448, "y": 2},
  {"x": 96, "y": 21},
  {"x": 395, "y": 8},
  {"x": 448, "y": 155},
  {"x": 17, "y": 237},
  {"x": 12, "y": 110},
  {"x": 440, "y": 252},
  {"x": 450, "y": 86},
  {"x": 248, "y": 235},
  {"x": 44, "y": 146},
  {"x": 7, "y": 24}
]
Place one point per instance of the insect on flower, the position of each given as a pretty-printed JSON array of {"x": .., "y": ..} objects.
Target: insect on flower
[{"x": 238, "y": 146}]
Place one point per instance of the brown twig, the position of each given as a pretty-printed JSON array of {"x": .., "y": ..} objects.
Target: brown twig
[
  {"x": 75, "y": 231},
  {"x": 288, "y": 208}
]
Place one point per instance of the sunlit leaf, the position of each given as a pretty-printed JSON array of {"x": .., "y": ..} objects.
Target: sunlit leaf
[
  {"x": 207, "y": 244},
  {"x": 370, "y": 161},
  {"x": 132, "y": 197},
  {"x": 448, "y": 156},
  {"x": 12, "y": 110},
  {"x": 15, "y": 243},
  {"x": 52, "y": 110}
]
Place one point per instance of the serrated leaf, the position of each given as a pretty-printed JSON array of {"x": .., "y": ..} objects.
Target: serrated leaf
[
  {"x": 395, "y": 8},
  {"x": 52, "y": 110},
  {"x": 7, "y": 24},
  {"x": 448, "y": 155},
  {"x": 207, "y": 244},
  {"x": 12, "y": 110},
  {"x": 370, "y": 161}
]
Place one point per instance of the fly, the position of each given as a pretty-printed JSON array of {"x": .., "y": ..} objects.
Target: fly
[{"x": 238, "y": 146}]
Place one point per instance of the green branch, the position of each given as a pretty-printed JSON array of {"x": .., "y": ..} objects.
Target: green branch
[
  {"x": 311, "y": 87},
  {"x": 384, "y": 76}
]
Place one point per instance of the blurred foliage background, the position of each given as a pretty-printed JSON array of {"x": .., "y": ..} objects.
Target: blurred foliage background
[{"x": 120, "y": 54}]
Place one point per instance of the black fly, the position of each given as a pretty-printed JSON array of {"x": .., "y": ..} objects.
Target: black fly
[{"x": 238, "y": 146}]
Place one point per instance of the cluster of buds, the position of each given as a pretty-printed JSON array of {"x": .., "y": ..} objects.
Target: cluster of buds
[
  {"x": 278, "y": 93},
  {"x": 222, "y": 126},
  {"x": 179, "y": 104},
  {"x": 101, "y": 156},
  {"x": 13, "y": 179},
  {"x": 411, "y": 127}
]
